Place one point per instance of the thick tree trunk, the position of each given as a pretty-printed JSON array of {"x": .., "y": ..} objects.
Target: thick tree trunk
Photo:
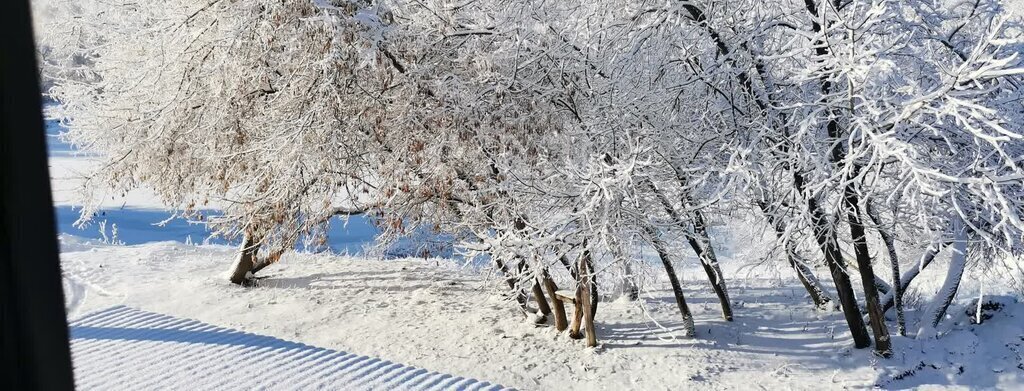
[
  {"x": 542, "y": 302},
  {"x": 557, "y": 305},
  {"x": 946, "y": 294},
  {"x": 588, "y": 286},
  {"x": 829, "y": 246},
  {"x": 894, "y": 268},
  {"x": 689, "y": 330},
  {"x": 883, "y": 346},
  {"x": 242, "y": 269}
]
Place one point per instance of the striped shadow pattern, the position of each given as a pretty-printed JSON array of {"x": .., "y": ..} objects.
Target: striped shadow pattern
[{"x": 122, "y": 348}]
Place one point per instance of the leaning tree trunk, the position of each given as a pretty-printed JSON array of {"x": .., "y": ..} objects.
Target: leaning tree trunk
[
  {"x": 542, "y": 302},
  {"x": 946, "y": 294},
  {"x": 701, "y": 244},
  {"x": 883, "y": 346},
  {"x": 241, "y": 269},
  {"x": 819, "y": 295},
  {"x": 908, "y": 276},
  {"x": 894, "y": 268},
  {"x": 814, "y": 288},
  {"x": 557, "y": 305},
  {"x": 589, "y": 299},
  {"x": 513, "y": 284},
  {"x": 829, "y": 245},
  {"x": 689, "y": 330}
]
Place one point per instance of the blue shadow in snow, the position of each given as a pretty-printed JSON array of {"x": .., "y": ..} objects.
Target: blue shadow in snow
[
  {"x": 326, "y": 367},
  {"x": 137, "y": 226},
  {"x": 224, "y": 337}
]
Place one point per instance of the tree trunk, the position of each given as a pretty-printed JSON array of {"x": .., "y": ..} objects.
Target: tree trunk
[
  {"x": 513, "y": 284},
  {"x": 628, "y": 286},
  {"x": 894, "y": 268},
  {"x": 700, "y": 241},
  {"x": 589, "y": 297},
  {"x": 564, "y": 259},
  {"x": 908, "y": 276},
  {"x": 708, "y": 259},
  {"x": 883, "y": 346},
  {"x": 829, "y": 246},
  {"x": 946, "y": 294},
  {"x": 689, "y": 330},
  {"x": 577, "y": 314},
  {"x": 819, "y": 295},
  {"x": 557, "y": 306},
  {"x": 542, "y": 302},
  {"x": 587, "y": 270},
  {"x": 814, "y": 288},
  {"x": 824, "y": 230},
  {"x": 241, "y": 269}
]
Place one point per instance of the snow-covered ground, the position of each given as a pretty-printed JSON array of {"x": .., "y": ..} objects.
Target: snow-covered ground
[
  {"x": 200, "y": 356},
  {"x": 438, "y": 315}
]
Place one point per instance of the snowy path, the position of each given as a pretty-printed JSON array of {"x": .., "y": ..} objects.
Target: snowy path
[{"x": 126, "y": 348}]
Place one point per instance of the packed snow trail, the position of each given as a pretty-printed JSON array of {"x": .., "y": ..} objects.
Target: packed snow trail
[{"x": 125, "y": 348}]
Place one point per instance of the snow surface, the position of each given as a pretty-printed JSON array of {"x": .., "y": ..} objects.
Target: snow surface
[
  {"x": 438, "y": 315},
  {"x": 124, "y": 348}
]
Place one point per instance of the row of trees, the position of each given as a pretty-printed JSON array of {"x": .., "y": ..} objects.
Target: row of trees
[{"x": 556, "y": 137}]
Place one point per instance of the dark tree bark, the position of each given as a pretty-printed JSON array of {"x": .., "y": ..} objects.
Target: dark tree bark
[
  {"x": 701, "y": 245},
  {"x": 829, "y": 246},
  {"x": 513, "y": 284},
  {"x": 814, "y": 288},
  {"x": 824, "y": 231},
  {"x": 588, "y": 275},
  {"x": 819, "y": 296},
  {"x": 894, "y": 267},
  {"x": 677, "y": 289},
  {"x": 876, "y": 316},
  {"x": 542, "y": 302},
  {"x": 700, "y": 242},
  {"x": 908, "y": 276}
]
